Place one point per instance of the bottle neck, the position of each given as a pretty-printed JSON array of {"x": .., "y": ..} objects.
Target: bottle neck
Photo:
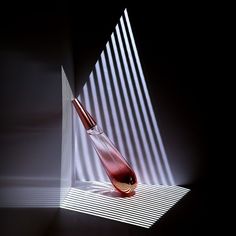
[{"x": 87, "y": 120}]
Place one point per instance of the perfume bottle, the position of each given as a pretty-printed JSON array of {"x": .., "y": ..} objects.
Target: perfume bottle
[{"x": 117, "y": 168}]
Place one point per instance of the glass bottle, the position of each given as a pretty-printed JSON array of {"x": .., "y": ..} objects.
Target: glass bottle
[{"x": 117, "y": 168}]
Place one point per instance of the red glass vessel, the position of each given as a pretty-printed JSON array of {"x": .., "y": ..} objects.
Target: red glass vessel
[{"x": 117, "y": 168}]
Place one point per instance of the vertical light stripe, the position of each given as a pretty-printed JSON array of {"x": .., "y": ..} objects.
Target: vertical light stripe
[
  {"x": 111, "y": 99},
  {"x": 85, "y": 142},
  {"x": 78, "y": 149},
  {"x": 137, "y": 112},
  {"x": 148, "y": 99},
  {"x": 105, "y": 110},
  {"x": 95, "y": 164},
  {"x": 94, "y": 98},
  {"x": 143, "y": 174},
  {"x": 144, "y": 111}
]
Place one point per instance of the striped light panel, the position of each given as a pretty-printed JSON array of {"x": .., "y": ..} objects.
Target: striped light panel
[
  {"x": 143, "y": 209},
  {"x": 28, "y": 197},
  {"x": 116, "y": 95}
]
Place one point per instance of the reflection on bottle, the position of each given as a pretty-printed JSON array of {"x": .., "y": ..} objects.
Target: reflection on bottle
[{"x": 117, "y": 168}]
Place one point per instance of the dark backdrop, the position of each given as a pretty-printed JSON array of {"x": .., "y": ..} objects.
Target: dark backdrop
[{"x": 36, "y": 39}]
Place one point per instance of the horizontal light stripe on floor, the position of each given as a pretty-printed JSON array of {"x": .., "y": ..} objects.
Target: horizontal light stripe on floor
[
  {"x": 28, "y": 197},
  {"x": 143, "y": 209}
]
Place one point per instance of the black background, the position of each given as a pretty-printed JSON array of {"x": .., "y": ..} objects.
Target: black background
[{"x": 173, "y": 44}]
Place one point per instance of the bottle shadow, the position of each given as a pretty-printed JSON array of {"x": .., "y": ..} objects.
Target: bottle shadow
[{"x": 102, "y": 188}]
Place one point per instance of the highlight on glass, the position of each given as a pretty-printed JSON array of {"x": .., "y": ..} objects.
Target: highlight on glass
[{"x": 117, "y": 168}]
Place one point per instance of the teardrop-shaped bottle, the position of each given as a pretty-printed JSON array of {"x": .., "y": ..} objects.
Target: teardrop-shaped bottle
[{"x": 117, "y": 168}]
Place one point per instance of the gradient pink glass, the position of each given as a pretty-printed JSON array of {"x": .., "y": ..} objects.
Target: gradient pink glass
[{"x": 117, "y": 168}]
